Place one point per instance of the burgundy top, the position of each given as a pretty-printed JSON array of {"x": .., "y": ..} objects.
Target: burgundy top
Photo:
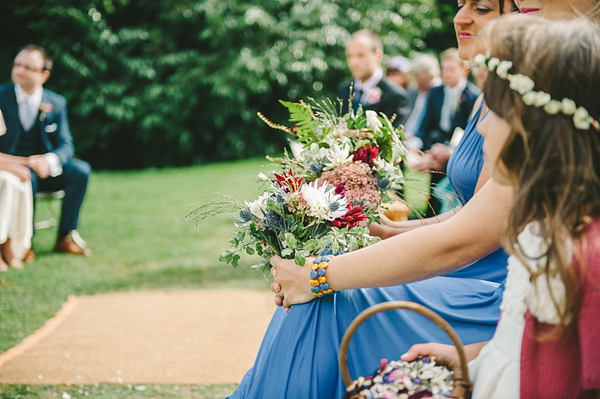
[{"x": 568, "y": 367}]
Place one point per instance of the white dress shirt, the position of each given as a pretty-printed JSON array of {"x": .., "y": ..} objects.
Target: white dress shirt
[
  {"x": 449, "y": 107},
  {"x": 416, "y": 116},
  {"x": 34, "y": 101},
  {"x": 367, "y": 85}
]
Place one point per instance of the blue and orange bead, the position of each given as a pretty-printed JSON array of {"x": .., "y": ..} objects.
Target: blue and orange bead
[{"x": 318, "y": 282}]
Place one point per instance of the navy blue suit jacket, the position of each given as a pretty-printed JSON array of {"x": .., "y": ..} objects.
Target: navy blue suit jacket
[
  {"x": 394, "y": 100},
  {"x": 430, "y": 131},
  {"x": 53, "y": 126}
]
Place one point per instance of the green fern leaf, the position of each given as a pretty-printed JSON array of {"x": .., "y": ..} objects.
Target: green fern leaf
[{"x": 302, "y": 116}]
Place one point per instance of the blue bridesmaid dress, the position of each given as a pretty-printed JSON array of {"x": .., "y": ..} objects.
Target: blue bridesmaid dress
[{"x": 298, "y": 358}]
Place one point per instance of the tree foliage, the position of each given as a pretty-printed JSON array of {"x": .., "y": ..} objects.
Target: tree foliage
[{"x": 176, "y": 82}]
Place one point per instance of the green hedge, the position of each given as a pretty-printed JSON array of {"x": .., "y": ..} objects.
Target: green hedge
[{"x": 176, "y": 82}]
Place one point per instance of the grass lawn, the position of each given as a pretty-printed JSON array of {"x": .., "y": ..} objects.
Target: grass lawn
[{"x": 133, "y": 223}]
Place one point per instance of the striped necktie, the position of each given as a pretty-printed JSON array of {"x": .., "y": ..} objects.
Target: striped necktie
[{"x": 356, "y": 100}]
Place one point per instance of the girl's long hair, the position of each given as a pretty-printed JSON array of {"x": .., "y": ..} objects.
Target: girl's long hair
[{"x": 553, "y": 166}]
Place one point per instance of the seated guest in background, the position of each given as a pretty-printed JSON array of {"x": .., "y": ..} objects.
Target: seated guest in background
[
  {"x": 449, "y": 106},
  {"x": 371, "y": 89},
  {"x": 38, "y": 135},
  {"x": 16, "y": 210},
  {"x": 426, "y": 70},
  {"x": 398, "y": 71}
]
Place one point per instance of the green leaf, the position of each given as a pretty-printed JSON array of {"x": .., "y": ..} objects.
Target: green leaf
[
  {"x": 290, "y": 240},
  {"x": 286, "y": 253},
  {"x": 302, "y": 116},
  {"x": 311, "y": 245},
  {"x": 249, "y": 250},
  {"x": 300, "y": 260}
]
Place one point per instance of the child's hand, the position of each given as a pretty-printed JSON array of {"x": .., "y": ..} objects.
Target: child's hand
[{"x": 431, "y": 349}]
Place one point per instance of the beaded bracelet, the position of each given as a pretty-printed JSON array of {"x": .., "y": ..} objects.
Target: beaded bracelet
[{"x": 318, "y": 282}]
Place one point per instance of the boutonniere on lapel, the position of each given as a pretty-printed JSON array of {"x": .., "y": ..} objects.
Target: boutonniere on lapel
[
  {"x": 461, "y": 99},
  {"x": 45, "y": 108},
  {"x": 374, "y": 95}
]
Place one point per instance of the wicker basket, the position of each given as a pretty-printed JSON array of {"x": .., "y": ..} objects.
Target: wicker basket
[{"x": 462, "y": 385}]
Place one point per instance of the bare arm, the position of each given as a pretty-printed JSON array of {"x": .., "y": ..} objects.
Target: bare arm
[
  {"x": 441, "y": 350},
  {"x": 426, "y": 252},
  {"x": 5, "y": 158},
  {"x": 15, "y": 165},
  {"x": 389, "y": 228}
]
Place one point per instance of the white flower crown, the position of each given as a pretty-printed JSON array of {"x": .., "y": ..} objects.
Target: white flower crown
[{"x": 524, "y": 86}]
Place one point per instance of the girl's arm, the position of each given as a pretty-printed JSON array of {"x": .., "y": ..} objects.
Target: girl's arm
[
  {"x": 441, "y": 350},
  {"x": 422, "y": 253}
]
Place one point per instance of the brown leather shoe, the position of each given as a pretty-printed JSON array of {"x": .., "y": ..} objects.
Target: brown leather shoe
[
  {"x": 72, "y": 244},
  {"x": 29, "y": 256}
]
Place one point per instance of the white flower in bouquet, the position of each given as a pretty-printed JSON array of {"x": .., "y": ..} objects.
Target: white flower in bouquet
[
  {"x": 336, "y": 137},
  {"x": 324, "y": 203},
  {"x": 337, "y": 155},
  {"x": 373, "y": 122},
  {"x": 259, "y": 207},
  {"x": 264, "y": 177},
  {"x": 314, "y": 153},
  {"x": 385, "y": 168}
]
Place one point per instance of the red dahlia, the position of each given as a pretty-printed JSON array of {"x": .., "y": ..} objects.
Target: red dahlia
[{"x": 366, "y": 154}]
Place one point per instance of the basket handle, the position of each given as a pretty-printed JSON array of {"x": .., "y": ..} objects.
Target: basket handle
[{"x": 422, "y": 310}]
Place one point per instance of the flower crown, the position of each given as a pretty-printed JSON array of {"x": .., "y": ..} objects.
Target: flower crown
[{"x": 524, "y": 86}]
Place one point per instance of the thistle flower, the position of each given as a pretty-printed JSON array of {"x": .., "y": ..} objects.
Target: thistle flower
[
  {"x": 245, "y": 215},
  {"x": 272, "y": 220},
  {"x": 315, "y": 167}
]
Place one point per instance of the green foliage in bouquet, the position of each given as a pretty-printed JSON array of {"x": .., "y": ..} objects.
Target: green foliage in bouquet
[
  {"x": 305, "y": 121},
  {"x": 292, "y": 219}
]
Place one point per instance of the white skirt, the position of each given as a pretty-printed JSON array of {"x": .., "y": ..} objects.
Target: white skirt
[{"x": 16, "y": 213}]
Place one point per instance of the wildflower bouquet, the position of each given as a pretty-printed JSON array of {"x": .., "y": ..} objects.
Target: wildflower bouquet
[
  {"x": 293, "y": 219},
  {"x": 423, "y": 378},
  {"x": 357, "y": 152}
]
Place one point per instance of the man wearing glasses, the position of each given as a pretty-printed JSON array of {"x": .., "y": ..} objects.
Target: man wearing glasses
[{"x": 37, "y": 135}]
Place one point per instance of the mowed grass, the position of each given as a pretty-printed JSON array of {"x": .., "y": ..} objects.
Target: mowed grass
[
  {"x": 106, "y": 391},
  {"x": 133, "y": 222}
]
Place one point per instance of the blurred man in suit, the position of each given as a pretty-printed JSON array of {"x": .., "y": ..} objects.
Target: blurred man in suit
[
  {"x": 371, "y": 89},
  {"x": 426, "y": 70},
  {"x": 449, "y": 105},
  {"x": 38, "y": 137}
]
